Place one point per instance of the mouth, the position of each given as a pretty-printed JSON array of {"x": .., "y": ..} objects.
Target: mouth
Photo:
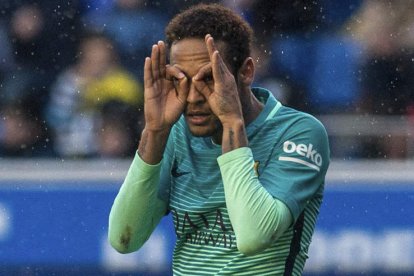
[{"x": 197, "y": 118}]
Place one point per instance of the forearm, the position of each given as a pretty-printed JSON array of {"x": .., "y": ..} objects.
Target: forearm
[
  {"x": 234, "y": 136},
  {"x": 258, "y": 219},
  {"x": 136, "y": 210}
]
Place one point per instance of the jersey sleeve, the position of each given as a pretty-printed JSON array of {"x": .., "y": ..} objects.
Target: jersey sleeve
[
  {"x": 297, "y": 166},
  {"x": 258, "y": 218},
  {"x": 140, "y": 203},
  {"x": 136, "y": 210}
]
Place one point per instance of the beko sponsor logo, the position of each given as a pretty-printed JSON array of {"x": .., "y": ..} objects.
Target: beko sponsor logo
[{"x": 306, "y": 151}]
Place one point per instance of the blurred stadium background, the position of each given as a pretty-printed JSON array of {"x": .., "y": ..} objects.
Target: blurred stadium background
[
  {"x": 53, "y": 221},
  {"x": 67, "y": 137}
]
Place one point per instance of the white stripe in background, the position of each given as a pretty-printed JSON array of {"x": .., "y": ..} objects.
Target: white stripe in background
[{"x": 300, "y": 161}]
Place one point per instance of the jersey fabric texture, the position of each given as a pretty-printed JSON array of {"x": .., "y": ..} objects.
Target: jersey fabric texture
[{"x": 290, "y": 156}]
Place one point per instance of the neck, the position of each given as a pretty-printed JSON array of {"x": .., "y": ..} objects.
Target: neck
[{"x": 251, "y": 106}]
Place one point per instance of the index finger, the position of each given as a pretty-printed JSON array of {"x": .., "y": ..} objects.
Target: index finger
[
  {"x": 219, "y": 68},
  {"x": 204, "y": 71}
]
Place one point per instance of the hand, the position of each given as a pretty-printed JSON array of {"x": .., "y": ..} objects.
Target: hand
[
  {"x": 223, "y": 97},
  {"x": 163, "y": 104}
]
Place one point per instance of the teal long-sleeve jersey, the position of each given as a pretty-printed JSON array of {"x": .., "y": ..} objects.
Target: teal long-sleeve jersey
[{"x": 211, "y": 194}]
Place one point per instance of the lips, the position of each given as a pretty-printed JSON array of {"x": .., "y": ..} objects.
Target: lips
[{"x": 197, "y": 118}]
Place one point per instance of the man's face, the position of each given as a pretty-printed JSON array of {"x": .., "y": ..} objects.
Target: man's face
[{"x": 190, "y": 55}]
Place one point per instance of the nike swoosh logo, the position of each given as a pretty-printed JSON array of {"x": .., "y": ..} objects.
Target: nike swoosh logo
[{"x": 175, "y": 173}]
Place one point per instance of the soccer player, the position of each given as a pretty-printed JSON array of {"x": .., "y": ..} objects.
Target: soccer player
[{"x": 241, "y": 174}]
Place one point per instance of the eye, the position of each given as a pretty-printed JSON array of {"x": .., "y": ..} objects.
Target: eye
[
  {"x": 208, "y": 78},
  {"x": 175, "y": 81}
]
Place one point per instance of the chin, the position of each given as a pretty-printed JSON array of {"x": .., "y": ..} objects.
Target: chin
[
  {"x": 211, "y": 128},
  {"x": 202, "y": 131}
]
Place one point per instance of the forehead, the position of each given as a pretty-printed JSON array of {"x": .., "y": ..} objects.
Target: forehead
[{"x": 189, "y": 53}]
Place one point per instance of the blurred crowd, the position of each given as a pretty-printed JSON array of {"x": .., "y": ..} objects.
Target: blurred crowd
[{"x": 71, "y": 70}]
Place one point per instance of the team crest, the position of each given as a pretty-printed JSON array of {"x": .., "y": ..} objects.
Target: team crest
[{"x": 256, "y": 167}]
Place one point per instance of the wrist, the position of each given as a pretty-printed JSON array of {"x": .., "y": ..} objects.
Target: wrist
[
  {"x": 236, "y": 123},
  {"x": 152, "y": 145},
  {"x": 234, "y": 135},
  {"x": 156, "y": 133}
]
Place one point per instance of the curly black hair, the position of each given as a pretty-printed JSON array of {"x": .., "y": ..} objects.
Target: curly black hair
[{"x": 222, "y": 23}]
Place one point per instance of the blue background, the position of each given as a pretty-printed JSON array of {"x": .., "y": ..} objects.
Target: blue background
[{"x": 60, "y": 227}]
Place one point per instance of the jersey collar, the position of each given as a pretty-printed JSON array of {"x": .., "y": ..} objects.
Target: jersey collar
[{"x": 270, "y": 109}]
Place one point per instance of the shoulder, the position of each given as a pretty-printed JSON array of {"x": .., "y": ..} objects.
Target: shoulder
[
  {"x": 296, "y": 122},
  {"x": 304, "y": 137}
]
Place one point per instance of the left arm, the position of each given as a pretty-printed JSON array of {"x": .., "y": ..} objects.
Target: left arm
[
  {"x": 262, "y": 210},
  {"x": 256, "y": 216}
]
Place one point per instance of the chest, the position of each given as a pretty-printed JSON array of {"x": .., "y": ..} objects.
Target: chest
[{"x": 196, "y": 185}]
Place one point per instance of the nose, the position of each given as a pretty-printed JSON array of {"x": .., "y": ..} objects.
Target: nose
[{"x": 194, "y": 95}]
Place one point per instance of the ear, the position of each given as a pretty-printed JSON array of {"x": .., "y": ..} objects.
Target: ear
[{"x": 246, "y": 72}]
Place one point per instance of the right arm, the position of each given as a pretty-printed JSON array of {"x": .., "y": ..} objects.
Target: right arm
[{"x": 137, "y": 209}]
